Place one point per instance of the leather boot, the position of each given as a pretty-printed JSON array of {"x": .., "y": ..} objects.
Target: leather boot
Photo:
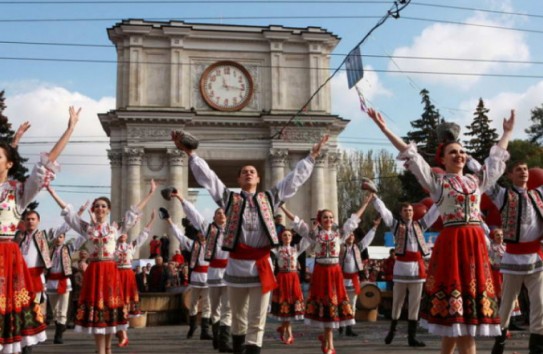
[
  {"x": 27, "y": 350},
  {"x": 340, "y": 330},
  {"x": 536, "y": 343},
  {"x": 238, "y": 344},
  {"x": 192, "y": 326},
  {"x": 391, "y": 332},
  {"x": 59, "y": 329},
  {"x": 224, "y": 340},
  {"x": 215, "y": 331},
  {"x": 252, "y": 349},
  {"x": 499, "y": 343},
  {"x": 204, "y": 332},
  {"x": 412, "y": 333},
  {"x": 349, "y": 332}
]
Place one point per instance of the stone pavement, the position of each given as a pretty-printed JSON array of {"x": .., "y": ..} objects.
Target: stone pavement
[{"x": 172, "y": 339}]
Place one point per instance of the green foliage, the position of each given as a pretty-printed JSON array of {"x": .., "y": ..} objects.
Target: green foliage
[
  {"x": 527, "y": 151},
  {"x": 6, "y": 135},
  {"x": 535, "y": 131},
  {"x": 483, "y": 137}
]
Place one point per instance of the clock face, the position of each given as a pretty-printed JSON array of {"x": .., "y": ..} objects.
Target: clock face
[{"x": 226, "y": 86}]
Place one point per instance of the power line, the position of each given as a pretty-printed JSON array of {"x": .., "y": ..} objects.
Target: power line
[{"x": 477, "y": 9}]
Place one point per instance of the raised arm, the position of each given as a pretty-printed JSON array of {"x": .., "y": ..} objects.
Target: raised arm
[
  {"x": 19, "y": 134},
  {"x": 71, "y": 217},
  {"x": 354, "y": 220},
  {"x": 144, "y": 235},
  {"x": 370, "y": 235},
  {"x": 394, "y": 139},
  {"x": 61, "y": 143},
  {"x": 146, "y": 199},
  {"x": 192, "y": 214},
  {"x": 56, "y": 197},
  {"x": 288, "y": 213},
  {"x": 298, "y": 225},
  {"x": 508, "y": 125}
]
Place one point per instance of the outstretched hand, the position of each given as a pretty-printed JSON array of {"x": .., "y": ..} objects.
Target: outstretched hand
[
  {"x": 19, "y": 133},
  {"x": 74, "y": 116},
  {"x": 377, "y": 118},
  {"x": 508, "y": 124},
  {"x": 316, "y": 150},
  {"x": 153, "y": 186}
]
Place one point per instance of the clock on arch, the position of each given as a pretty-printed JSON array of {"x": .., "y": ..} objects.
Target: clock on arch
[{"x": 226, "y": 86}]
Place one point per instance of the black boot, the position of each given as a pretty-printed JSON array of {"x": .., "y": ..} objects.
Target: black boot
[
  {"x": 536, "y": 343},
  {"x": 59, "y": 329},
  {"x": 252, "y": 349},
  {"x": 349, "y": 332},
  {"x": 224, "y": 340},
  {"x": 499, "y": 343},
  {"x": 238, "y": 344},
  {"x": 340, "y": 330},
  {"x": 192, "y": 326},
  {"x": 204, "y": 333},
  {"x": 391, "y": 332},
  {"x": 27, "y": 350},
  {"x": 215, "y": 331},
  {"x": 412, "y": 333}
]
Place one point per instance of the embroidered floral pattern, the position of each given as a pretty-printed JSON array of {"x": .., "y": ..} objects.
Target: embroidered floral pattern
[{"x": 211, "y": 243}]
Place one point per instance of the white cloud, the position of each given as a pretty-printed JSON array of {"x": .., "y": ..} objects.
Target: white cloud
[
  {"x": 500, "y": 107},
  {"x": 460, "y": 42},
  {"x": 345, "y": 102}
]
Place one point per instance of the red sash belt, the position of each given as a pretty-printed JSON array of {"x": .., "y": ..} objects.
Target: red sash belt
[
  {"x": 62, "y": 283},
  {"x": 414, "y": 257},
  {"x": 261, "y": 256},
  {"x": 35, "y": 275},
  {"x": 355, "y": 280},
  {"x": 525, "y": 248},
  {"x": 218, "y": 263},
  {"x": 200, "y": 269}
]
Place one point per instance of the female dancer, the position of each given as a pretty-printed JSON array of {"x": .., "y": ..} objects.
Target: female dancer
[
  {"x": 15, "y": 288},
  {"x": 459, "y": 300},
  {"x": 328, "y": 306},
  {"x": 287, "y": 303},
  {"x": 123, "y": 256},
  {"x": 101, "y": 307}
]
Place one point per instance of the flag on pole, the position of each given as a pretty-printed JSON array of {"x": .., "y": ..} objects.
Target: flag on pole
[
  {"x": 353, "y": 65},
  {"x": 363, "y": 105}
]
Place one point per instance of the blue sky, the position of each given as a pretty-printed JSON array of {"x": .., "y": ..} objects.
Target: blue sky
[{"x": 498, "y": 38}]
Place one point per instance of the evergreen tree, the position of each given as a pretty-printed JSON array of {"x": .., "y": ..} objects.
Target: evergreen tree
[
  {"x": 6, "y": 135},
  {"x": 535, "y": 131},
  {"x": 482, "y": 136}
]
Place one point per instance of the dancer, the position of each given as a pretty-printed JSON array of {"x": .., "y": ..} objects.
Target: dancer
[
  {"x": 350, "y": 259},
  {"x": 101, "y": 305},
  {"x": 459, "y": 300},
  {"x": 14, "y": 275},
  {"x": 124, "y": 252},
  {"x": 409, "y": 272},
  {"x": 221, "y": 314},
  {"x": 522, "y": 262},
  {"x": 287, "y": 300},
  {"x": 198, "y": 277},
  {"x": 328, "y": 306},
  {"x": 249, "y": 237}
]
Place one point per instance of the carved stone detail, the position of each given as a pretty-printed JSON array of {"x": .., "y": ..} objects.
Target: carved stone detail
[
  {"x": 333, "y": 159},
  {"x": 306, "y": 135},
  {"x": 155, "y": 162},
  {"x": 321, "y": 160},
  {"x": 175, "y": 157},
  {"x": 148, "y": 133},
  {"x": 278, "y": 157},
  {"x": 115, "y": 158},
  {"x": 133, "y": 155}
]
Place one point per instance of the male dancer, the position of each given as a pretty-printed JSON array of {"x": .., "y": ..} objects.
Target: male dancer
[
  {"x": 221, "y": 314},
  {"x": 249, "y": 235},
  {"x": 522, "y": 262},
  {"x": 409, "y": 271}
]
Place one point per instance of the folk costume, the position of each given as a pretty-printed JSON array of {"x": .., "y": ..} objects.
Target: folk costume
[
  {"x": 198, "y": 283},
  {"x": 409, "y": 272},
  {"x": 17, "y": 294},
  {"x": 59, "y": 285},
  {"x": 522, "y": 262},
  {"x": 101, "y": 307},
  {"x": 350, "y": 260},
  {"x": 221, "y": 314},
  {"x": 287, "y": 303},
  {"x": 328, "y": 305},
  {"x": 124, "y": 253},
  {"x": 459, "y": 297},
  {"x": 249, "y": 236}
]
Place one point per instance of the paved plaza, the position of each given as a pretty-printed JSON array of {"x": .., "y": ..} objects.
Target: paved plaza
[{"x": 172, "y": 339}]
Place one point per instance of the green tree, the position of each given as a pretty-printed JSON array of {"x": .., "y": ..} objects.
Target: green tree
[
  {"x": 535, "y": 131},
  {"x": 483, "y": 137},
  {"x": 527, "y": 151},
  {"x": 6, "y": 135}
]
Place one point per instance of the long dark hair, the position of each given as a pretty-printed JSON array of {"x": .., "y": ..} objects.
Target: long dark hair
[{"x": 12, "y": 155}]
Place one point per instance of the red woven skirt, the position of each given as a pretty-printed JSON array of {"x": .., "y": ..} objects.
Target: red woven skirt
[
  {"x": 287, "y": 299},
  {"x": 101, "y": 307},
  {"x": 328, "y": 305},
  {"x": 497, "y": 278},
  {"x": 459, "y": 296},
  {"x": 21, "y": 320},
  {"x": 130, "y": 291}
]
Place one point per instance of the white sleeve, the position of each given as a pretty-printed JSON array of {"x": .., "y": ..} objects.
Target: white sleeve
[
  {"x": 183, "y": 240},
  {"x": 430, "y": 217},
  {"x": 194, "y": 216},
  {"x": 208, "y": 179},
  {"x": 368, "y": 239},
  {"x": 350, "y": 225},
  {"x": 142, "y": 237},
  {"x": 74, "y": 221},
  {"x": 385, "y": 213}
]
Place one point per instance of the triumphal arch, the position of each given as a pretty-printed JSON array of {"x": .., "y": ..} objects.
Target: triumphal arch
[{"x": 233, "y": 87}]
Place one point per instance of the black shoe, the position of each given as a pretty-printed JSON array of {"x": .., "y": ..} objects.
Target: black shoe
[
  {"x": 412, "y": 333},
  {"x": 238, "y": 344},
  {"x": 27, "y": 350},
  {"x": 215, "y": 332},
  {"x": 59, "y": 330},
  {"x": 536, "y": 343},
  {"x": 192, "y": 327},
  {"x": 514, "y": 327},
  {"x": 349, "y": 332},
  {"x": 252, "y": 349},
  {"x": 224, "y": 340},
  {"x": 499, "y": 343},
  {"x": 391, "y": 332},
  {"x": 204, "y": 332},
  {"x": 340, "y": 330}
]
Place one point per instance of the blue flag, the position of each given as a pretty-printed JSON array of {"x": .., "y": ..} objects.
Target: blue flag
[{"x": 353, "y": 64}]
